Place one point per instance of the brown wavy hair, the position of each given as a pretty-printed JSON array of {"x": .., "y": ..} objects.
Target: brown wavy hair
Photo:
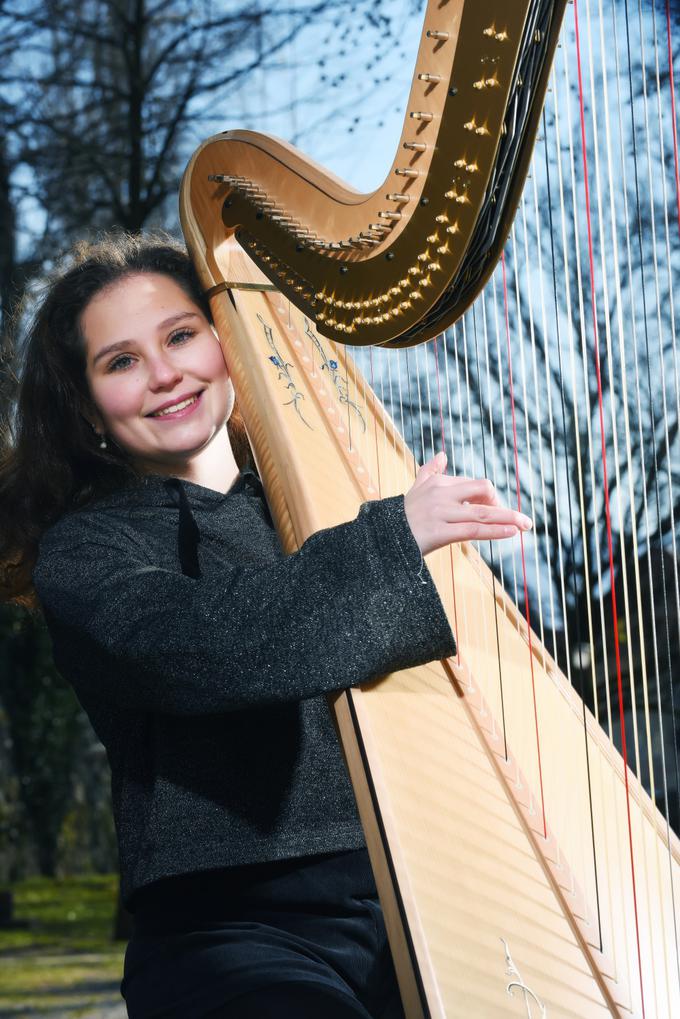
[{"x": 50, "y": 459}]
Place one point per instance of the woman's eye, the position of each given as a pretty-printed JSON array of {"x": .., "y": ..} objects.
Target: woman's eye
[
  {"x": 181, "y": 335},
  {"x": 121, "y": 362}
]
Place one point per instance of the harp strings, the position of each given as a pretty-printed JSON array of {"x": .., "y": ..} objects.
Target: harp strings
[{"x": 452, "y": 395}]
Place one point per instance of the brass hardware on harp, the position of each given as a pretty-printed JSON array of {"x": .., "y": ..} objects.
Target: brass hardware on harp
[
  {"x": 406, "y": 172},
  {"x": 397, "y": 196},
  {"x": 485, "y": 83},
  {"x": 462, "y": 164},
  {"x": 435, "y": 34},
  {"x": 501, "y": 36},
  {"x": 419, "y": 115},
  {"x": 416, "y": 146},
  {"x": 433, "y": 79}
]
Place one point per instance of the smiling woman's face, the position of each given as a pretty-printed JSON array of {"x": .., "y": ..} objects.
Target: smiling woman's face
[{"x": 155, "y": 371}]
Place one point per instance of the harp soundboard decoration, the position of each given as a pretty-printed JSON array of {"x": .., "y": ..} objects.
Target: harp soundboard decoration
[{"x": 520, "y": 801}]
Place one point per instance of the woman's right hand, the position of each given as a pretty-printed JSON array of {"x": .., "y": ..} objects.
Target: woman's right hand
[{"x": 442, "y": 510}]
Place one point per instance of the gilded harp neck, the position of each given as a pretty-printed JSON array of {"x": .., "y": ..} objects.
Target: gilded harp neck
[{"x": 398, "y": 265}]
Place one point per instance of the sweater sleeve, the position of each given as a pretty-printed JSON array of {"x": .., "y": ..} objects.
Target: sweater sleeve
[{"x": 355, "y": 602}]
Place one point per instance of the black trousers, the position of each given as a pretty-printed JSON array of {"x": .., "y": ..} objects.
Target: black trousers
[{"x": 302, "y": 938}]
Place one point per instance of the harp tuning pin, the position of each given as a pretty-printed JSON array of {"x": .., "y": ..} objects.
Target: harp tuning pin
[
  {"x": 490, "y": 31},
  {"x": 433, "y": 266},
  {"x": 397, "y": 196},
  {"x": 415, "y": 295},
  {"x": 394, "y": 291},
  {"x": 443, "y": 249},
  {"x": 415, "y": 146},
  {"x": 407, "y": 172},
  {"x": 460, "y": 163},
  {"x": 423, "y": 256},
  {"x": 432, "y": 78},
  {"x": 439, "y": 36},
  {"x": 442, "y": 218},
  {"x": 484, "y": 130},
  {"x": 414, "y": 270},
  {"x": 386, "y": 214},
  {"x": 501, "y": 36},
  {"x": 419, "y": 115},
  {"x": 432, "y": 239},
  {"x": 469, "y": 125},
  {"x": 378, "y": 227}
]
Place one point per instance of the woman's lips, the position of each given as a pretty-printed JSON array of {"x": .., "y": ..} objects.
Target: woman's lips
[{"x": 168, "y": 415}]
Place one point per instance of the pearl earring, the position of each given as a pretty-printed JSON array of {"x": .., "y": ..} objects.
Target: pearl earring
[{"x": 102, "y": 438}]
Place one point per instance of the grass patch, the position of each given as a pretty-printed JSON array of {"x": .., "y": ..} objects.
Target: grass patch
[{"x": 65, "y": 959}]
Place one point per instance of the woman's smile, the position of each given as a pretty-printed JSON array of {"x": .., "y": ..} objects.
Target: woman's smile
[{"x": 179, "y": 408}]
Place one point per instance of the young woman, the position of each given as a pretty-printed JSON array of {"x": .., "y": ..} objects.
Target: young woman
[{"x": 202, "y": 654}]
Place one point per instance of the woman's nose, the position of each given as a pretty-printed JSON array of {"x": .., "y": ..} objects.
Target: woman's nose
[{"x": 163, "y": 373}]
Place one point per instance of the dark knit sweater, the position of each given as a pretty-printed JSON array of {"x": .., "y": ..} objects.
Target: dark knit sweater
[{"x": 201, "y": 655}]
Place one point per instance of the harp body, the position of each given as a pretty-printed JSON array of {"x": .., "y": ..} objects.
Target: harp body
[{"x": 522, "y": 868}]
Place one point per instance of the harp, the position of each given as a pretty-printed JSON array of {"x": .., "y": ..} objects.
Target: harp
[{"x": 519, "y": 800}]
